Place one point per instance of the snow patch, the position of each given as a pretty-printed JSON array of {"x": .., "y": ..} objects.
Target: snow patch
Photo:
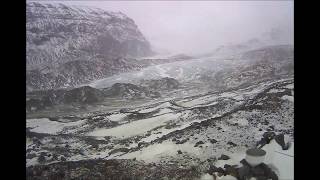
[
  {"x": 155, "y": 152},
  {"x": 44, "y": 125},
  {"x": 286, "y": 97},
  {"x": 117, "y": 117},
  {"x": 136, "y": 127}
]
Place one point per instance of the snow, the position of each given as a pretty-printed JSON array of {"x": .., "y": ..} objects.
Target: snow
[
  {"x": 117, "y": 117},
  {"x": 156, "y": 152},
  {"x": 164, "y": 111},
  {"x": 235, "y": 158},
  {"x": 183, "y": 71},
  {"x": 161, "y": 106},
  {"x": 148, "y": 110},
  {"x": 276, "y": 90},
  {"x": 199, "y": 101},
  {"x": 206, "y": 177},
  {"x": 162, "y": 71},
  {"x": 136, "y": 127},
  {"x": 281, "y": 160},
  {"x": 159, "y": 56},
  {"x": 44, "y": 125},
  {"x": 32, "y": 162},
  {"x": 227, "y": 177},
  {"x": 289, "y": 86},
  {"x": 239, "y": 121},
  {"x": 286, "y": 97}
]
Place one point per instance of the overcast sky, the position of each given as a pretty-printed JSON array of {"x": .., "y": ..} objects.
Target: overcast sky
[{"x": 200, "y": 26}]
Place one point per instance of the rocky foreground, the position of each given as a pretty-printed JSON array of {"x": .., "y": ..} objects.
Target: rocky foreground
[{"x": 180, "y": 138}]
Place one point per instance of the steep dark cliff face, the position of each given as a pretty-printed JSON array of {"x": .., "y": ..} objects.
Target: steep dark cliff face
[{"x": 92, "y": 42}]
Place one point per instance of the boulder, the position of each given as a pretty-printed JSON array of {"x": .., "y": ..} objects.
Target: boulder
[
  {"x": 280, "y": 140},
  {"x": 213, "y": 141},
  {"x": 231, "y": 143},
  {"x": 223, "y": 157},
  {"x": 198, "y": 143},
  {"x": 214, "y": 169},
  {"x": 182, "y": 141}
]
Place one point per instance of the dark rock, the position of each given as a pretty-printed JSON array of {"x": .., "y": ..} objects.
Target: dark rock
[
  {"x": 280, "y": 140},
  {"x": 162, "y": 84},
  {"x": 182, "y": 141},
  {"x": 141, "y": 144},
  {"x": 214, "y": 169},
  {"x": 269, "y": 136},
  {"x": 30, "y": 156},
  {"x": 231, "y": 143},
  {"x": 62, "y": 158},
  {"x": 243, "y": 172},
  {"x": 271, "y": 128},
  {"x": 55, "y": 157},
  {"x": 213, "y": 141},
  {"x": 179, "y": 152},
  {"x": 88, "y": 49},
  {"x": 119, "y": 150},
  {"x": 261, "y": 171},
  {"x": 231, "y": 170},
  {"x": 198, "y": 143},
  {"x": 42, "y": 157},
  {"x": 223, "y": 157},
  {"x": 128, "y": 90}
]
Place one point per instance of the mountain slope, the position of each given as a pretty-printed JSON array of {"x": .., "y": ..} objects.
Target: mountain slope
[{"x": 92, "y": 42}]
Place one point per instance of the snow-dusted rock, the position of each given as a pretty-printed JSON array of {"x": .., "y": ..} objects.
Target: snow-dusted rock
[{"x": 69, "y": 45}]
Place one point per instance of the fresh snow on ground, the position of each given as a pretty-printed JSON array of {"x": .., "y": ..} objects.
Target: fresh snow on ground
[
  {"x": 136, "y": 127},
  {"x": 117, "y": 117},
  {"x": 156, "y": 152},
  {"x": 276, "y": 90},
  {"x": 281, "y": 160},
  {"x": 239, "y": 121},
  {"x": 44, "y": 125},
  {"x": 286, "y": 97}
]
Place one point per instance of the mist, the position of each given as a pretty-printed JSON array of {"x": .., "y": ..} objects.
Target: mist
[{"x": 201, "y": 26}]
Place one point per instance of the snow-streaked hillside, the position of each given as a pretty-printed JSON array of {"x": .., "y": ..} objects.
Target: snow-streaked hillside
[
  {"x": 69, "y": 45},
  {"x": 57, "y": 33}
]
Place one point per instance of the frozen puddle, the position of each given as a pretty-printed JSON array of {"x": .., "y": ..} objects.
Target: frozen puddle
[{"x": 136, "y": 127}]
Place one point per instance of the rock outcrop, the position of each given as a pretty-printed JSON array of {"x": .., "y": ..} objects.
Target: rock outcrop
[{"x": 70, "y": 45}]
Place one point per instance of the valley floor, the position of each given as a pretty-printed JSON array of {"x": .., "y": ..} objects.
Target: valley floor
[{"x": 176, "y": 138}]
